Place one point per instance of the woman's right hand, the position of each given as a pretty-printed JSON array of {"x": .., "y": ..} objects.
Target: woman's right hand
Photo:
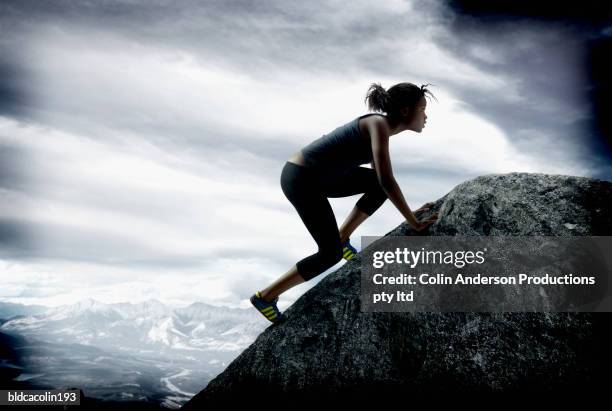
[{"x": 426, "y": 223}]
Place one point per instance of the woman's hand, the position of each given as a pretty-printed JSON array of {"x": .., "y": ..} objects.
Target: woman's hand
[
  {"x": 426, "y": 223},
  {"x": 426, "y": 206}
]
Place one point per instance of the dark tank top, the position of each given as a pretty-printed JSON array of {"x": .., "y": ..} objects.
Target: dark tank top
[{"x": 343, "y": 148}]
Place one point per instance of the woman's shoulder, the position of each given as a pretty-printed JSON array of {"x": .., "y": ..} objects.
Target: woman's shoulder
[
  {"x": 372, "y": 117},
  {"x": 369, "y": 121}
]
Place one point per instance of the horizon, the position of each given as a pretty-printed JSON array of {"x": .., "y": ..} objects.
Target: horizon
[{"x": 152, "y": 299}]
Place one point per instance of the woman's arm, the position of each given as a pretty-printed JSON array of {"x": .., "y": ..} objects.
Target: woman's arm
[{"x": 382, "y": 164}]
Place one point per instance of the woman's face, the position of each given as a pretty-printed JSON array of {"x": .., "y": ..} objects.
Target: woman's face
[{"x": 419, "y": 118}]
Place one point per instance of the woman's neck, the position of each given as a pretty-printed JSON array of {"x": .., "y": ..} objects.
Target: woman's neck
[{"x": 395, "y": 127}]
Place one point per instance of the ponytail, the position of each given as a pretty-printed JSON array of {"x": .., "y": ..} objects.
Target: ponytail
[{"x": 377, "y": 98}]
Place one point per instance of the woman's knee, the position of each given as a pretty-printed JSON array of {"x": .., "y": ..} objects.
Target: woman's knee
[
  {"x": 371, "y": 201},
  {"x": 312, "y": 266},
  {"x": 331, "y": 255}
]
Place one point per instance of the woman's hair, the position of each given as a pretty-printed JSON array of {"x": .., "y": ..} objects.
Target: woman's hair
[{"x": 392, "y": 100}]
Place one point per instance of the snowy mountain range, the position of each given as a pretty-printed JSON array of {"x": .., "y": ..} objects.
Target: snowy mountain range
[{"x": 145, "y": 350}]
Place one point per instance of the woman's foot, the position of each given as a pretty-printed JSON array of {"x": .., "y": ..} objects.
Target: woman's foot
[
  {"x": 267, "y": 309},
  {"x": 348, "y": 251}
]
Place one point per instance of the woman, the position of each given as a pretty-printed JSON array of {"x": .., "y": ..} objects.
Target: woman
[{"x": 329, "y": 167}]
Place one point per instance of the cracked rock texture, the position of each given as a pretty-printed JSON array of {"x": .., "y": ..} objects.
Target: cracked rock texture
[{"x": 327, "y": 348}]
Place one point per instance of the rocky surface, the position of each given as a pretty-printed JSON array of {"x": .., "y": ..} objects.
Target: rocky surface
[{"x": 328, "y": 347}]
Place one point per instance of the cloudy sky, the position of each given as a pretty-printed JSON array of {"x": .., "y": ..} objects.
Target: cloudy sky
[{"x": 141, "y": 142}]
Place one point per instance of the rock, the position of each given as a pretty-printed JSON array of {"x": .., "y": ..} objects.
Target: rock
[{"x": 327, "y": 348}]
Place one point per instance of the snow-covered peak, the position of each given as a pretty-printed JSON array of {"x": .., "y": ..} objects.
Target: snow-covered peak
[
  {"x": 151, "y": 308},
  {"x": 87, "y": 305}
]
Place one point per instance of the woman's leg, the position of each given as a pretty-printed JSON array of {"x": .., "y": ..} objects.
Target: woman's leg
[
  {"x": 354, "y": 220},
  {"x": 318, "y": 217},
  {"x": 355, "y": 181},
  {"x": 286, "y": 281},
  {"x": 303, "y": 190}
]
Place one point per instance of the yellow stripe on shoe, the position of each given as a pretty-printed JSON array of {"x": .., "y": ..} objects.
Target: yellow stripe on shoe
[
  {"x": 348, "y": 251},
  {"x": 269, "y": 310},
  {"x": 270, "y": 315}
]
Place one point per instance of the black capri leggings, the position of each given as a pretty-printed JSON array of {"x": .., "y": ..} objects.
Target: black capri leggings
[{"x": 308, "y": 190}]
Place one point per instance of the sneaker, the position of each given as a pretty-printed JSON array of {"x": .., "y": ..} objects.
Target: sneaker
[
  {"x": 348, "y": 251},
  {"x": 267, "y": 309}
]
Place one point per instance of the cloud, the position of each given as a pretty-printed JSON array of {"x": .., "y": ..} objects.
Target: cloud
[{"x": 141, "y": 143}]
